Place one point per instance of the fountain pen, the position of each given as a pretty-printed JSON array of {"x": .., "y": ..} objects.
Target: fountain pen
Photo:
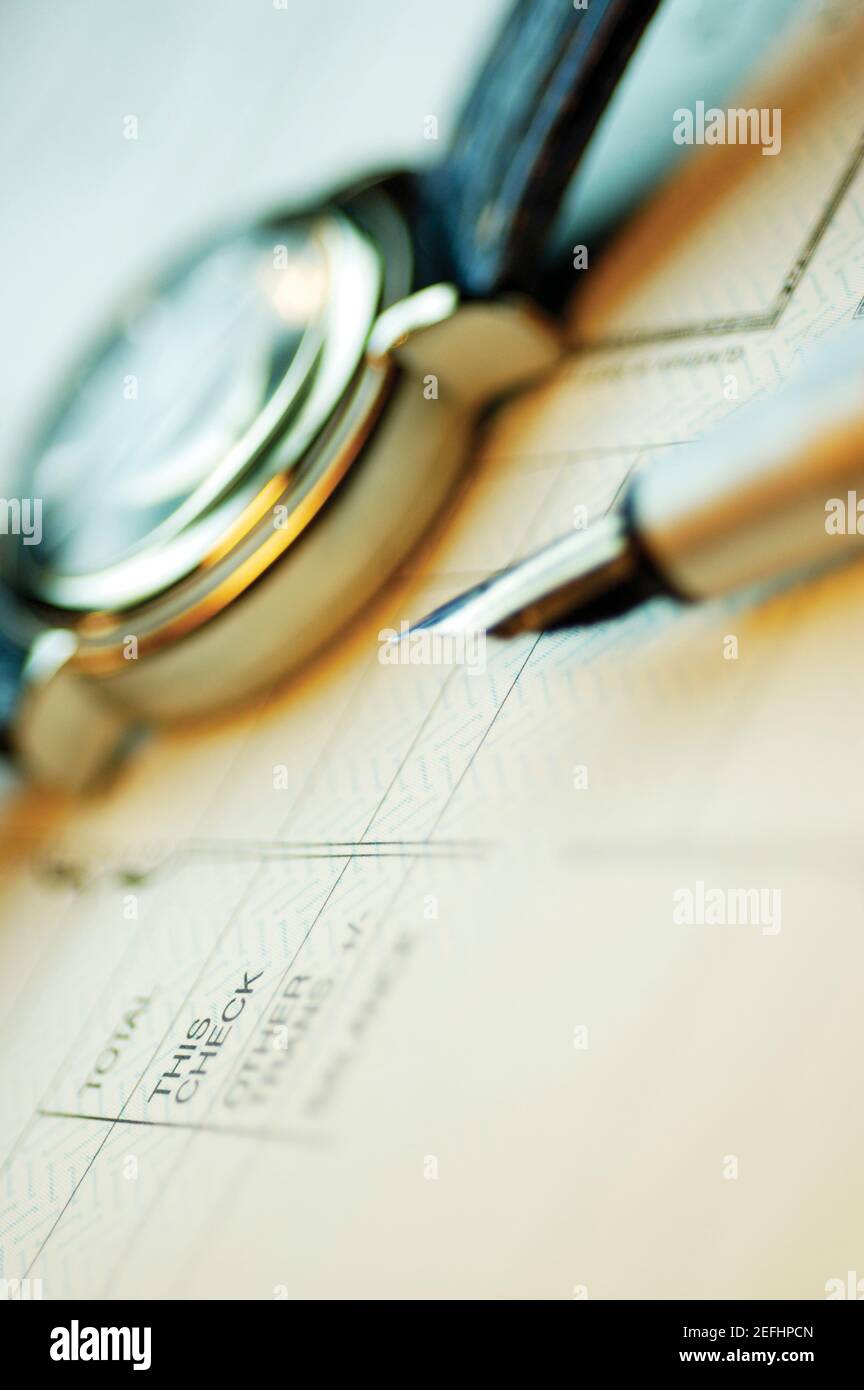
[{"x": 775, "y": 490}]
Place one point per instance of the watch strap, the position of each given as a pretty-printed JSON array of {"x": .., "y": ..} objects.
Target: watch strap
[
  {"x": 526, "y": 124},
  {"x": 12, "y": 659}
]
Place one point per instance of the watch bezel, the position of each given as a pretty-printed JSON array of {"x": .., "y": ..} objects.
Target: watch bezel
[{"x": 295, "y": 464}]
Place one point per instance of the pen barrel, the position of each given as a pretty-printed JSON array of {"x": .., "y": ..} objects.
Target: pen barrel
[{"x": 773, "y": 490}]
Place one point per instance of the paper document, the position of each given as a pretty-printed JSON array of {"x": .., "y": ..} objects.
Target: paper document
[{"x": 405, "y": 982}]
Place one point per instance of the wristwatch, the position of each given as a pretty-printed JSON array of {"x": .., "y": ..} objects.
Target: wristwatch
[{"x": 264, "y": 434}]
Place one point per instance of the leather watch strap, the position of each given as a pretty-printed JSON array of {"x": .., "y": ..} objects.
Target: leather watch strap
[
  {"x": 12, "y": 658},
  {"x": 524, "y": 129}
]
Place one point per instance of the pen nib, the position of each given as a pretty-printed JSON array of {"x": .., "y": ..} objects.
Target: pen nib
[{"x": 577, "y": 579}]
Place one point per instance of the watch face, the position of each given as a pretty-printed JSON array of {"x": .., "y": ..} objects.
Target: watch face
[
  {"x": 212, "y": 382},
  {"x": 192, "y": 369}
]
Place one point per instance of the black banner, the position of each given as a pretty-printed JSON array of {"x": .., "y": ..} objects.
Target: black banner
[{"x": 229, "y": 1339}]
